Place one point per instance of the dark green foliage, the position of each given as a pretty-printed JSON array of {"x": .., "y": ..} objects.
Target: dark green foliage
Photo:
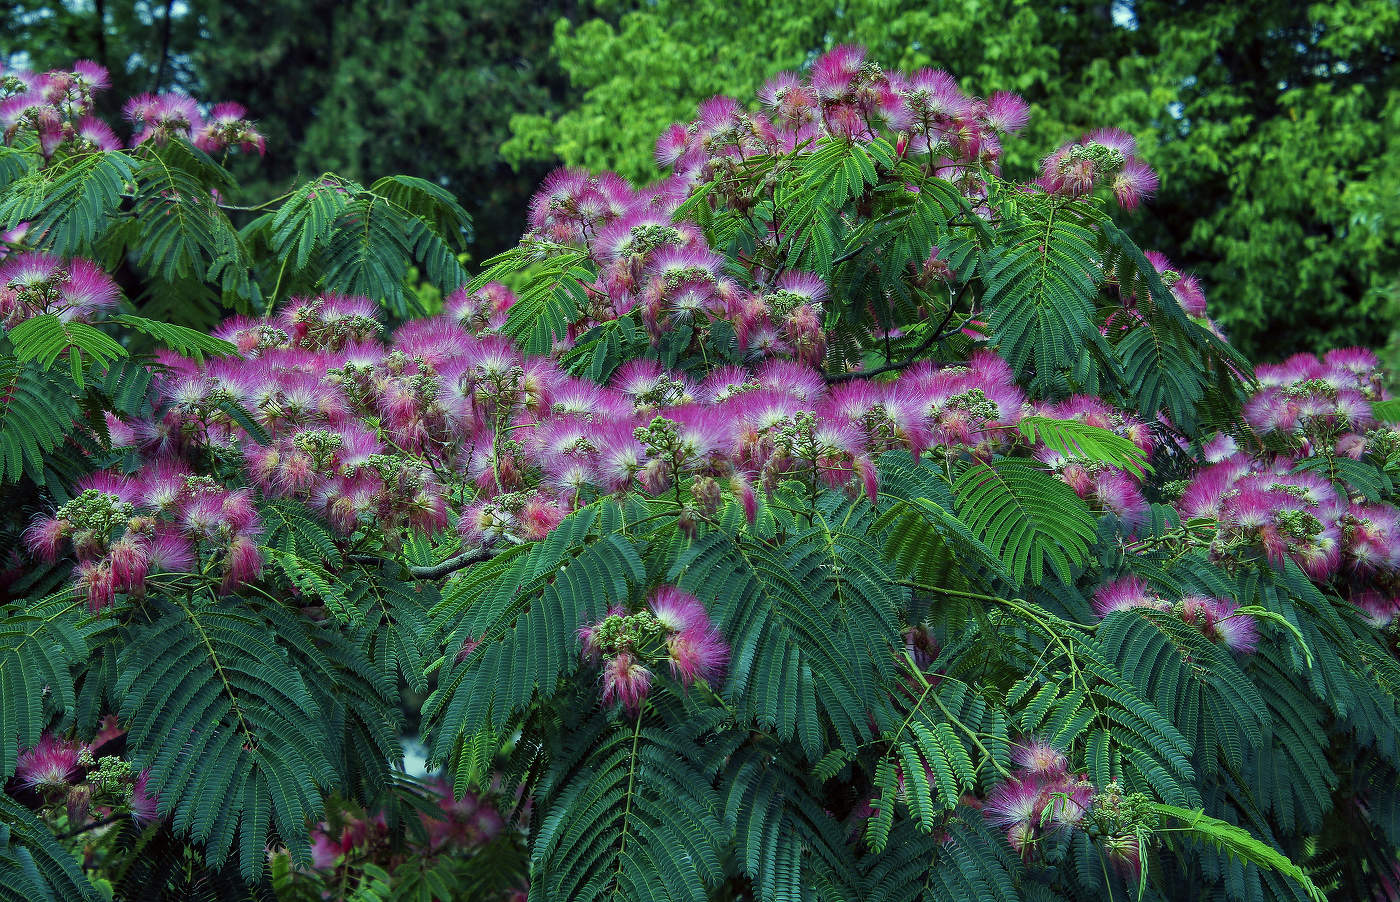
[{"x": 897, "y": 629}]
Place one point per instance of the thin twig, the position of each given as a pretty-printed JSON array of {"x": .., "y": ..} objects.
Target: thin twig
[{"x": 110, "y": 819}]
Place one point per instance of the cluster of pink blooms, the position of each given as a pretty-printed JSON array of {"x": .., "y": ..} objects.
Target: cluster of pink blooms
[
  {"x": 1107, "y": 157},
  {"x": 1215, "y": 618},
  {"x": 926, "y": 115},
  {"x": 850, "y": 98},
  {"x": 1184, "y": 287},
  {"x": 1042, "y": 800},
  {"x": 1307, "y": 408},
  {"x": 374, "y": 435},
  {"x": 160, "y": 118},
  {"x": 123, "y": 530},
  {"x": 667, "y": 271},
  {"x": 1317, "y": 404},
  {"x": 351, "y": 838},
  {"x": 65, "y": 770},
  {"x": 1104, "y": 487},
  {"x": 674, "y": 627},
  {"x": 57, "y": 108},
  {"x": 32, "y": 284}
]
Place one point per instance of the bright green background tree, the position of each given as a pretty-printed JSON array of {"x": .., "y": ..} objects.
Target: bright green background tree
[{"x": 1275, "y": 125}]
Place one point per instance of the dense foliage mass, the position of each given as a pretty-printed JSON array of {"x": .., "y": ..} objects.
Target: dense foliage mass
[
  {"x": 1272, "y": 124},
  {"x": 425, "y": 88},
  {"x": 833, "y": 519}
]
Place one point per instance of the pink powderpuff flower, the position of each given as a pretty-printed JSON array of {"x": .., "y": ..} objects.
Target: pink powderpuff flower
[
  {"x": 1016, "y": 802},
  {"x": 626, "y": 680},
  {"x": 1061, "y": 174},
  {"x": 797, "y": 379},
  {"x": 171, "y": 552},
  {"x": 865, "y": 470},
  {"x": 1219, "y": 448},
  {"x": 145, "y": 805},
  {"x": 697, "y": 653},
  {"x": 98, "y": 583},
  {"x": 676, "y": 609},
  {"x": 1205, "y": 497},
  {"x": 810, "y": 287},
  {"x": 1378, "y": 608},
  {"x": 834, "y": 73},
  {"x": 45, "y": 536},
  {"x": 673, "y": 145},
  {"x": 1190, "y": 295},
  {"x": 1118, "y": 492},
  {"x": 1078, "y": 794},
  {"x": 539, "y": 518},
  {"x": 1133, "y": 184},
  {"x": 94, "y": 134},
  {"x": 24, "y": 108},
  {"x": 1114, "y": 139},
  {"x": 119, "y": 433},
  {"x": 1125, "y": 594},
  {"x": 1007, "y": 112},
  {"x": 1373, "y": 538},
  {"x": 243, "y": 563},
  {"x": 130, "y": 558},
  {"x": 92, "y": 76},
  {"x": 1239, "y": 632},
  {"x": 51, "y": 764},
  {"x": 1040, "y": 758},
  {"x": 1125, "y": 854}
]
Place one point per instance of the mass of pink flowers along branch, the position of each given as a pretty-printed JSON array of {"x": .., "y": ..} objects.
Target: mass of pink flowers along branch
[
  {"x": 925, "y": 115},
  {"x": 56, "y": 107},
  {"x": 90, "y": 783}
]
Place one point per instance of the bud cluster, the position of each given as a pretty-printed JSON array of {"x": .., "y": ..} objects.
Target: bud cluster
[{"x": 674, "y": 627}]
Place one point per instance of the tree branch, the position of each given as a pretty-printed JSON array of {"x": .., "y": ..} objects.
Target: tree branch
[
  {"x": 164, "y": 47},
  {"x": 912, "y": 357},
  {"x": 110, "y": 819},
  {"x": 473, "y": 555}
]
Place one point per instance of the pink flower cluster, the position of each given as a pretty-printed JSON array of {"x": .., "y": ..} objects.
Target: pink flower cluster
[
  {"x": 1108, "y": 157},
  {"x": 1269, "y": 505},
  {"x": 1315, "y": 403},
  {"x": 380, "y": 436},
  {"x": 125, "y": 530},
  {"x": 674, "y": 626},
  {"x": 1266, "y": 508},
  {"x": 1102, "y": 486},
  {"x": 1215, "y": 618},
  {"x": 667, "y": 271},
  {"x": 32, "y": 284},
  {"x": 65, "y": 770},
  {"x": 363, "y": 431},
  {"x": 459, "y": 826},
  {"x": 849, "y": 98},
  {"x": 57, "y": 106},
  {"x": 1043, "y": 800},
  {"x": 159, "y": 118},
  {"x": 52, "y": 763}
]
